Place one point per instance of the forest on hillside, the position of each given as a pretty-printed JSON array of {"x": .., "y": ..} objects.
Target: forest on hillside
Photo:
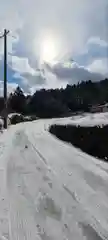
[{"x": 59, "y": 102}]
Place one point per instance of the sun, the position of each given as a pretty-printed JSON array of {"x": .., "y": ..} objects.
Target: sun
[{"x": 48, "y": 50}]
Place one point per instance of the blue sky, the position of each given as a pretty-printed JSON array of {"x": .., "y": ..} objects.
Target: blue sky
[{"x": 54, "y": 32}]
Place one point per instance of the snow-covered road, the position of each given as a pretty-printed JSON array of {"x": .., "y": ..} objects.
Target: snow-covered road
[{"x": 50, "y": 190}]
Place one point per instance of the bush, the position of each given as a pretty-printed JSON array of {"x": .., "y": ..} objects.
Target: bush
[
  {"x": 16, "y": 118},
  {"x": 92, "y": 140},
  {"x": 33, "y": 118}
]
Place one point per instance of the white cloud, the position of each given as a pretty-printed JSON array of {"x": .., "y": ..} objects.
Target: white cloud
[
  {"x": 21, "y": 65},
  {"x": 97, "y": 40},
  {"x": 27, "y": 75},
  {"x": 11, "y": 41},
  {"x": 99, "y": 66},
  {"x": 10, "y": 16}
]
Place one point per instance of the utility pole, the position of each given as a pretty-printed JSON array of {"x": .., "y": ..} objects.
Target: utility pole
[{"x": 5, "y": 76}]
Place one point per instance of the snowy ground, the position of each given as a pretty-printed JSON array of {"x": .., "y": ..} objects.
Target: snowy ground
[
  {"x": 86, "y": 119},
  {"x": 50, "y": 190}
]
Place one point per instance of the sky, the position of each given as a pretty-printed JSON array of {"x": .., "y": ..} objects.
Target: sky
[{"x": 54, "y": 43}]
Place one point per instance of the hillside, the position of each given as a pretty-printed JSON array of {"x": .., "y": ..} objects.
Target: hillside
[{"x": 47, "y": 103}]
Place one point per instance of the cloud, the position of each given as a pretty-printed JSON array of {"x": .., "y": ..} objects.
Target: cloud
[
  {"x": 79, "y": 28},
  {"x": 72, "y": 22},
  {"x": 10, "y": 16},
  {"x": 34, "y": 79},
  {"x": 25, "y": 74},
  {"x": 100, "y": 66},
  {"x": 73, "y": 72},
  {"x": 95, "y": 48},
  {"x": 97, "y": 41},
  {"x": 11, "y": 43},
  {"x": 57, "y": 75},
  {"x": 29, "y": 81},
  {"x": 21, "y": 65}
]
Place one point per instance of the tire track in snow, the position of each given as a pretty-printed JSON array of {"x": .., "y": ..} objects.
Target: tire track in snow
[
  {"x": 28, "y": 211},
  {"x": 23, "y": 198}
]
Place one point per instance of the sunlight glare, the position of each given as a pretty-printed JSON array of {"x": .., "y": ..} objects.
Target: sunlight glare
[{"x": 48, "y": 50}]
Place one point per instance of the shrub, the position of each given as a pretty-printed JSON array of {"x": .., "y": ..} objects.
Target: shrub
[
  {"x": 92, "y": 140},
  {"x": 16, "y": 118}
]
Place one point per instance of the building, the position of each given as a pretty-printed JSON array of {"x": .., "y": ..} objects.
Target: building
[{"x": 99, "y": 108}]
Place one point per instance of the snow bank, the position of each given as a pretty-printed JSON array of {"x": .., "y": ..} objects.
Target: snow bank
[
  {"x": 85, "y": 119},
  {"x": 13, "y": 114},
  {"x": 1, "y": 123},
  {"x": 17, "y": 118}
]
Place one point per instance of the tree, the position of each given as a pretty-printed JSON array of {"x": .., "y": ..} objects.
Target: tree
[
  {"x": 17, "y": 100},
  {"x": 59, "y": 102}
]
